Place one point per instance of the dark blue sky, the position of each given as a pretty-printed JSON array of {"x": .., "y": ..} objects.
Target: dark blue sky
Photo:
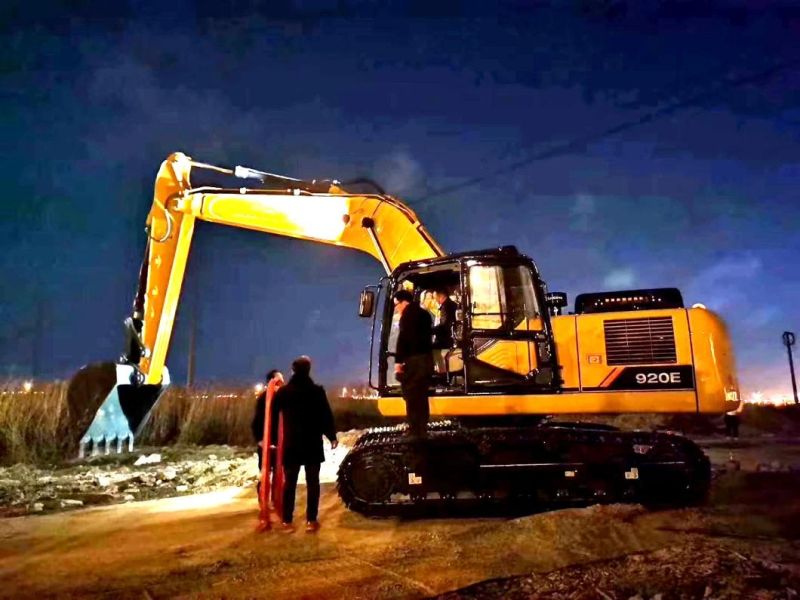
[{"x": 702, "y": 196}]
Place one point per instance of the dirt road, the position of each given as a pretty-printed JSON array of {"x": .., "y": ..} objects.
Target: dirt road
[{"x": 205, "y": 546}]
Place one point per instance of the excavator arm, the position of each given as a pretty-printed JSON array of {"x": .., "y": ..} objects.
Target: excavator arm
[
  {"x": 377, "y": 224},
  {"x": 323, "y": 212}
]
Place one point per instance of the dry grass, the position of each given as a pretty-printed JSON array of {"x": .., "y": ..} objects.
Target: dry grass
[
  {"x": 223, "y": 416},
  {"x": 201, "y": 416},
  {"x": 32, "y": 422},
  {"x": 35, "y": 425}
]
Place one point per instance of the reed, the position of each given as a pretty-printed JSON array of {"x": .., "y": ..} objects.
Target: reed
[
  {"x": 223, "y": 416},
  {"x": 35, "y": 423}
]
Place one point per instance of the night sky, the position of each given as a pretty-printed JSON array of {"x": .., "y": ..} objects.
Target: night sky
[{"x": 620, "y": 145}]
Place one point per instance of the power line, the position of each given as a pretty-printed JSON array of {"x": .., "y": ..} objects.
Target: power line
[{"x": 581, "y": 142}]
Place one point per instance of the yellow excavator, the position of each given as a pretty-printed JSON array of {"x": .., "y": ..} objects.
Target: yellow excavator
[{"x": 514, "y": 359}]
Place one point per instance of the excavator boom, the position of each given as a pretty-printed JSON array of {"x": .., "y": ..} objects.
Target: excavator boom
[{"x": 377, "y": 224}]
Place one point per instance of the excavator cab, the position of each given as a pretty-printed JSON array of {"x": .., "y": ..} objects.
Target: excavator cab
[
  {"x": 501, "y": 340},
  {"x": 497, "y": 446}
]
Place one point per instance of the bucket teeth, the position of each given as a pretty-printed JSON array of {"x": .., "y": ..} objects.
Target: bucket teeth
[{"x": 105, "y": 446}]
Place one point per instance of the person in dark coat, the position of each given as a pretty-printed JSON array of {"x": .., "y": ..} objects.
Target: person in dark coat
[
  {"x": 414, "y": 360},
  {"x": 731, "y": 420},
  {"x": 443, "y": 330},
  {"x": 307, "y": 417}
]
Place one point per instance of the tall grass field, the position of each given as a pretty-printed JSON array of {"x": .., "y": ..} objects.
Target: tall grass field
[{"x": 35, "y": 423}]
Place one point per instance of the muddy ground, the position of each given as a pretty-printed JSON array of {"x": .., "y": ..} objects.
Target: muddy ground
[
  {"x": 744, "y": 544},
  {"x": 146, "y": 474}
]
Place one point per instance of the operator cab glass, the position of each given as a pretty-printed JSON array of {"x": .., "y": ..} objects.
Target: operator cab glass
[
  {"x": 424, "y": 283},
  {"x": 505, "y": 323},
  {"x": 501, "y": 340}
]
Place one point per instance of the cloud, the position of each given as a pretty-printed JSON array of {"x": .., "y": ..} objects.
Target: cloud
[
  {"x": 314, "y": 320},
  {"x": 727, "y": 285},
  {"x": 582, "y": 212},
  {"x": 731, "y": 269},
  {"x": 398, "y": 172},
  {"x": 620, "y": 279},
  {"x": 764, "y": 315}
]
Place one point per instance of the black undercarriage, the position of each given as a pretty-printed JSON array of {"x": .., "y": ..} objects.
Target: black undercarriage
[{"x": 387, "y": 473}]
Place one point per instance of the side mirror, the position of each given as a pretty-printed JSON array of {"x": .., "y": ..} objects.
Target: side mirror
[
  {"x": 555, "y": 302},
  {"x": 366, "y": 304}
]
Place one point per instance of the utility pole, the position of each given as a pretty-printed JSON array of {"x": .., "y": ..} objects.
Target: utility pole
[
  {"x": 192, "y": 335},
  {"x": 38, "y": 334},
  {"x": 789, "y": 341}
]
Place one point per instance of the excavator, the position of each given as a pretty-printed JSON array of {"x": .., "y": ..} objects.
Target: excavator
[{"x": 515, "y": 361}]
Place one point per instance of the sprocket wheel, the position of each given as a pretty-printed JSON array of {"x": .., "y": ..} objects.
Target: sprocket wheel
[{"x": 372, "y": 478}]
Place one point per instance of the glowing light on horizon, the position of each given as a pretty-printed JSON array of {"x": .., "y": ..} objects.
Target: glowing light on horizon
[
  {"x": 354, "y": 393},
  {"x": 27, "y": 386},
  {"x": 770, "y": 399}
]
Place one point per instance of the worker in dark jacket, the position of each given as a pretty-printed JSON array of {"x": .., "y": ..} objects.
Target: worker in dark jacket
[
  {"x": 414, "y": 360},
  {"x": 443, "y": 329},
  {"x": 307, "y": 417}
]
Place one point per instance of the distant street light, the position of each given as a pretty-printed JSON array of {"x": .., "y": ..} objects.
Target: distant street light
[
  {"x": 259, "y": 387},
  {"x": 789, "y": 340},
  {"x": 27, "y": 386}
]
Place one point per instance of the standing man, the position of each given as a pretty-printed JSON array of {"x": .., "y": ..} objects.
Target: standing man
[
  {"x": 307, "y": 417},
  {"x": 731, "y": 420},
  {"x": 414, "y": 360},
  {"x": 443, "y": 329}
]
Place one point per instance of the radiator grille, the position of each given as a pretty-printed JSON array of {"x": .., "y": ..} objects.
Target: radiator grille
[{"x": 640, "y": 341}]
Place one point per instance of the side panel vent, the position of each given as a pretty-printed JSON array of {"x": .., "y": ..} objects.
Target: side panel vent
[{"x": 640, "y": 341}]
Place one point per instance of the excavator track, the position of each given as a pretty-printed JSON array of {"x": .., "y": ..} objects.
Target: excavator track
[{"x": 552, "y": 465}]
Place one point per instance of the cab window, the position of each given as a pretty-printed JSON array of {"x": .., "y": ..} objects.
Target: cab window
[{"x": 503, "y": 297}]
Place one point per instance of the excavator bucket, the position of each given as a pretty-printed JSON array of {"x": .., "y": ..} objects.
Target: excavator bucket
[{"x": 109, "y": 406}]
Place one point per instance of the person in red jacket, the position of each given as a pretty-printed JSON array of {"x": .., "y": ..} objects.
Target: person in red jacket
[
  {"x": 274, "y": 378},
  {"x": 307, "y": 417}
]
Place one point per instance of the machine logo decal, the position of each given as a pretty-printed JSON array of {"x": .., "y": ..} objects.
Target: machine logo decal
[{"x": 679, "y": 377}]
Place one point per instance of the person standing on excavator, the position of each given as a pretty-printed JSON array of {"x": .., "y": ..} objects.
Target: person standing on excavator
[{"x": 414, "y": 360}]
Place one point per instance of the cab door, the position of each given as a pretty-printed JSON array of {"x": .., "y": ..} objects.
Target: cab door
[{"x": 509, "y": 344}]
